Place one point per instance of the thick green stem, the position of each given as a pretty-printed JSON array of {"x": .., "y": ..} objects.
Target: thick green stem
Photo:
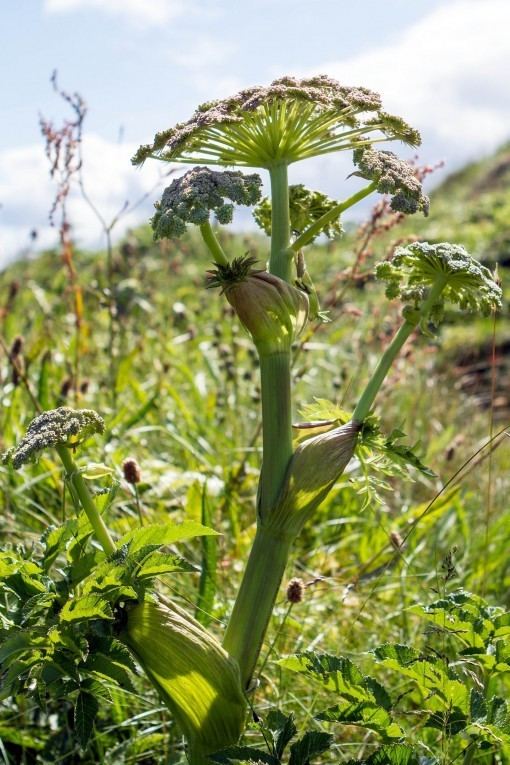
[
  {"x": 80, "y": 489},
  {"x": 315, "y": 229},
  {"x": 213, "y": 245},
  {"x": 367, "y": 398},
  {"x": 276, "y": 427},
  {"x": 280, "y": 260},
  {"x": 255, "y": 600}
]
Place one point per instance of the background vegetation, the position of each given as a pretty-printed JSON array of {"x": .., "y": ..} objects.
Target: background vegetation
[{"x": 134, "y": 334}]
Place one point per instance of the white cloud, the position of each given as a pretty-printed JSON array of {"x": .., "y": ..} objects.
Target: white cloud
[
  {"x": 26, "y": 193},
  {"x": 145, "y": 12},
  {"x": 447, "y": 74}
]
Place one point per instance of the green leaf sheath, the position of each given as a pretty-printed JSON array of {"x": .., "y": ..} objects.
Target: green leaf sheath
[
  {"x": 280, "y": 260},
  {"x": 79, "y": 487},
  {"x": 255, "y": 600},
  {"x": 276, "y": 427},
  {"x": 368, "y": 396}
]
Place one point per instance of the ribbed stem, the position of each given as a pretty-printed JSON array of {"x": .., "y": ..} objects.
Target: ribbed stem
[
  {"x": 280, "y": 260},
  {"x": 314, "y": 230},
  {"x": 212, "y": 243},
  {"x": 255, "y": 600},
  {"x": 367, "y": 398},
  {"x": 276, "y": 427},
  {"x": 79, "y": 487}
]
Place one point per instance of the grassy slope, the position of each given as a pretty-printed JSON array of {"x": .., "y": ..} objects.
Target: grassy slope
[{"x": 177, "y": 383}]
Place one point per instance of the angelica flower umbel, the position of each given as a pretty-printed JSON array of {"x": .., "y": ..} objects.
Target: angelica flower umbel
[
  {"x": 271, "y": 310},
  {"x": 393, "y": 176},
  {"x": 192, "y": 197},
  {"x": 289, "y": 120},
  {"x": 57, "y": 427}
]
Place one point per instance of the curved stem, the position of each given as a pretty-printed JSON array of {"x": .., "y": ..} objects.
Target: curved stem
[
  {"x": 212, "y": 243},
  {"x": 280, "y": 260},
  {"x": 80, "y": 489},
  {"x": 367, "y": 397},
  {"x": 255, "y": 600},
  {"x": 314, "y": 230}
]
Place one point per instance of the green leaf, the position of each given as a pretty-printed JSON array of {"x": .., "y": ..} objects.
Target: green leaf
[
  {"x": 164, "y": 534},
  {"x": 105, "y": 667},
  {"x": 86, "y": 607},
  {"x": 85, "y": 711},
  {"x": 22, "y": 738},
  {"x": 337, "y": 674},
  {"x": 282, "y": 728},
  {"x": 207, "y": 583},
  {"x": 243, "y": 754},
  {"x": 363, "y": 714},
  {"x": 398, "y": 754},
  {"x": 312, "y": 744},
  {"x": 157, "y": 563}
]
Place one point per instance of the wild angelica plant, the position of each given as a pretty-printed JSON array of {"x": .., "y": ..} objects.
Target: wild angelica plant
[{"x": 270, "y": 128}]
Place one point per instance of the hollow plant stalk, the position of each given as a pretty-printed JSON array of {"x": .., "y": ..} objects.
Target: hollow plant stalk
[{"x": 270, "y": 551}]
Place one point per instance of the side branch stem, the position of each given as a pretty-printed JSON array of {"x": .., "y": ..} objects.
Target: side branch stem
[
  {"x": 368, "y": 396},
  {"x": 312, "y": 231},
  {"x": 82, "y": 492},
  {"x": 212, "y": 243}
]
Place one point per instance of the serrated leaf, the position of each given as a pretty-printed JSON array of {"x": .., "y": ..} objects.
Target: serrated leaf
[
  {"x": 164, "y": 534},
  {"x": 103, "y": 666},
  {"x": 243, "y": 754},
  {"x": 282, "y": 729},
  {"x": 85, "y": 711},
  {"x": 337, "y": 674},
  {"x": 157, "y": 563},
  {"x": 86, "y": 607},
  {"x": 309, "y": 746},
  {"x": 363, "y": 714},
  {"x": 398, "y": 754}
]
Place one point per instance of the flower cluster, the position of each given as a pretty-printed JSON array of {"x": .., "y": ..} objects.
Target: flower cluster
[
  {"x": 420, "y": 266},
  {"x": 191, "y": 198},
  {"x": 393, "y": 176},
  {"x": 305, "y": 207},
  {"x": 56, "y": 427},
  {"x": 288, "y": 120}
]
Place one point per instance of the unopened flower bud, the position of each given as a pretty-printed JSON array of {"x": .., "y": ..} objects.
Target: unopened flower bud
[
  {"x": 313, "y": 470},
  {"x": 131, "y": 470},
  {"x": 295, "y": 590},
  {"x": 271, "y": 310}
]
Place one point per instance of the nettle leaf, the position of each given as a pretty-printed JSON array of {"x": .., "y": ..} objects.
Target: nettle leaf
[
  {"x": 103, "y": 666},
  {"x": 85, "y": 711},
  {"x": 309, "y": 746},
  {"x": 160, "y": 534},
  {"x": 157, "y": 563},
  {"x": 428, "y": 673},
  {"x": 398, "y": 754},
  {"x": 462, "y": 615},
  {"x": 235, "y": 754},
  {"x": 86, "y": 607},
  {"x": 363, "y": 714},
  {"x": 281, "y": 728},
  {"x": 55, "y": 539},
  {"x": 338, "y": 674}
]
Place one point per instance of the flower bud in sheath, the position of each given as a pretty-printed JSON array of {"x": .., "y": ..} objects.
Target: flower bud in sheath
[
  {"x": 271, "y": 310},
  {"x": 314, "y": 468},
  {"x": 196, "y": 677}
]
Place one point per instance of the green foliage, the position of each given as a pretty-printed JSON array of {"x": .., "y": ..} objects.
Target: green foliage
[{"x": 305, "y": 207}]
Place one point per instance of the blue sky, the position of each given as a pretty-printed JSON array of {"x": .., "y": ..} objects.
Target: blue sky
[{"x": 142, "y": 65}]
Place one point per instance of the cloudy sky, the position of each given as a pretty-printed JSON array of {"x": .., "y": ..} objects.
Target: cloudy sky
[{"x": 142, "y": 65}]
